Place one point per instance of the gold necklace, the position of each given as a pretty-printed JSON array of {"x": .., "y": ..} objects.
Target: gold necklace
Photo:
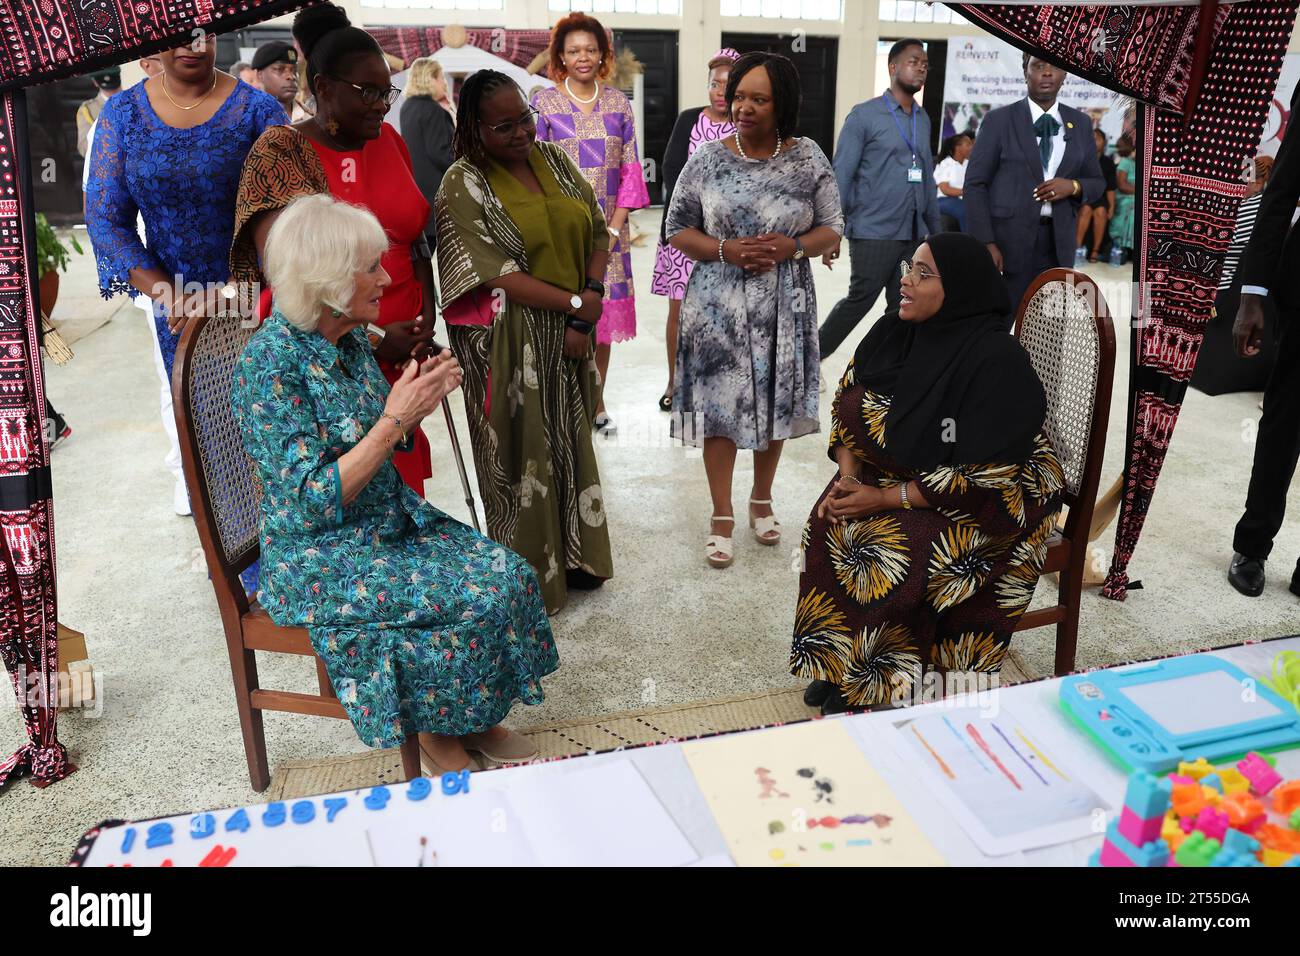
[{"x": 187, "y": 108}]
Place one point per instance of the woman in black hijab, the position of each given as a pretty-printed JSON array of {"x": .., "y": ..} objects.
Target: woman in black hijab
[{"x": 926, "y": 547}]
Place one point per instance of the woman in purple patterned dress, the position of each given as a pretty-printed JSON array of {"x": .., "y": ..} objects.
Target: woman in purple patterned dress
[
  {"x": 593, "y": 123},
  {"x": 703, "y": 124}
]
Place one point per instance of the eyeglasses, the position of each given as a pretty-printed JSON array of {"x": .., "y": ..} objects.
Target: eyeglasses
[
  {"x": 920, "y": 272},
  {"x": 370, "y": 95},
  {"x": 507, "y": 129}
]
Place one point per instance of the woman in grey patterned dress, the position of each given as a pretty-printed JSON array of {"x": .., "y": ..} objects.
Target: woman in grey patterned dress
[{"x": 751, "y": 210}]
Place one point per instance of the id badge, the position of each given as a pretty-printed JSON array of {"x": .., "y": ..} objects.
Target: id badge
[{"x": 914, "y": 173}]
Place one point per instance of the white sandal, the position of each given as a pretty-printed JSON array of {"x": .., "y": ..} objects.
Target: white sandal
[
  {"x": 715, "y": 544},
  {"x": 767, "y": 530}
]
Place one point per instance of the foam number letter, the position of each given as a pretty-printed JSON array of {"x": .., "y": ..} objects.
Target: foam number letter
[
  {"x": 49, "y": 173},
  {"x": 203, "y": 826},
  {"x": 418, "y": 789},
  {"x": 160, "y": 834},
  {"x": 304, "y": 811},
  {"x": 273, "y": 815},
  {"x": 128, "y": 840},
  {"x": 332, "y": 807},
  {"x": 454, "y": 783},
  {"x": 238, "y": 822},
  {"x": 378, "y": 798}
]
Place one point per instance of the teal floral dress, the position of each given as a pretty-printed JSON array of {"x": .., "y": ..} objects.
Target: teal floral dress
[{"x": 423, "y": 624}]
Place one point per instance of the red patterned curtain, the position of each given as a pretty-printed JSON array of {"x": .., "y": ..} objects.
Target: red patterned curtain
[
  {"x": 40, "y": 41},
  {"x": 1204, "y": 76},
  {"x": 520, "y": 47}
]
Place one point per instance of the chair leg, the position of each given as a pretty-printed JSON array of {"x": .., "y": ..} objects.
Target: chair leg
[
  {"x": 243, "y": 669},
  {"x": 411, "y": 757},
  {"x": 323, "y": 678},
  {"x": 1067, "y": 632}
]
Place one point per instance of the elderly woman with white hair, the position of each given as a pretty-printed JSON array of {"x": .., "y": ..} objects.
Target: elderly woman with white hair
[
  {"x": 428, "y": 126},
  {"x": 423, "y": 624}
]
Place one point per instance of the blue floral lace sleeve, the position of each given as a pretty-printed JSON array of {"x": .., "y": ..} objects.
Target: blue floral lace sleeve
[
  {"x": 300, "y": 478},
  {"x": 111, "y": 211}
]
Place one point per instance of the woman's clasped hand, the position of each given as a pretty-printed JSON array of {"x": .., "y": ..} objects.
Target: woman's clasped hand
[
  {"x": 422, "y": 387},
  {"x": 759, "y": 253},
  {"x": 848, "y": 499}
]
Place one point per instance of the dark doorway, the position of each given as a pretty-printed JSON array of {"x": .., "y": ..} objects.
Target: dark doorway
[
  {"x": 657, "y": 51},
  {"x": 56, "y": 165},
  {"x": 817, "y": 59}
]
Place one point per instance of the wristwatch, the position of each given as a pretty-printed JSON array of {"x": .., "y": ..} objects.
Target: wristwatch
[
  {"x": 375, "y": 333},
  {"x": 798, "y": 249},
  {"x": 596, "y": 286},
  {"x": 575, "y": 303}
]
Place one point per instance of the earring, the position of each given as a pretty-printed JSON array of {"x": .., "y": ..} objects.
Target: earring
[
  {"x": 336, "y": 313},
  {"x": 330, "y": 125}
]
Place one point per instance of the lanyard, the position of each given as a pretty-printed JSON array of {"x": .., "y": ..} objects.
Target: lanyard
[{"x": 911, "y": 143}]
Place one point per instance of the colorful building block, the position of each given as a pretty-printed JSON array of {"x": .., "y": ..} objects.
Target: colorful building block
[
  {"x": 1295, "y": 820},
  {"x": 1226, "y": 857},
  {"x": 1242, "y": 844},
  {"x": 1286, "y": 798},
  {"x": 1197, "y": 770},
  {"x": 1117, "y": 850},
  {"x": 1232, "y": 780},
  {"x": 1213, "y": 823},
  {"x": 1172, "y": 832},
  {"x": 1211, "y": 796},
  {"x": 1273, "y": 837},
  {"x": 1245, "y": 813},
  {"x": 1212, "y": 780},
  {"x": 1197, "y": 850},
  {"x": 1178, "y": 779},
  {"x": 1276, "y": 857},
  {"x": 1143, "y": 813},
  {"x": 1259, "y": 772},
  {"x": 1187, "y": 799}
]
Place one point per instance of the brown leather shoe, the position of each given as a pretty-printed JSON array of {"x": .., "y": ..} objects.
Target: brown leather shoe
[{"x": 512, "y": 748}]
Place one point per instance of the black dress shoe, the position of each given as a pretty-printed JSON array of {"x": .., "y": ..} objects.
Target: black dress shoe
[
  {"x": 1247, "y": 575},
  {"x": 817, "y": 693},
  {"x": 835, "y": 704},
  {"x": 1295, "y": 581},
  {"x": 579, "y": 580}
]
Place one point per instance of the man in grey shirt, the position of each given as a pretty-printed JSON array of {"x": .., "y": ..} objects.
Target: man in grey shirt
[{"x": 886, "y": 179}]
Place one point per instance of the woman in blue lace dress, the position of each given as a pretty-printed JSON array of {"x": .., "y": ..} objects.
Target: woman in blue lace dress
[
  {"x": 423, "y": 624},
  {"x": 171, "y": 149}
]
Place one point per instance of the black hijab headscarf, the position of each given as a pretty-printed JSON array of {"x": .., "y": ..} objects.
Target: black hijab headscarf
[{"x": 964, "y": 391}]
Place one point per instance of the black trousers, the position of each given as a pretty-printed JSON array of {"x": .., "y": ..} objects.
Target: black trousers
[
  {"x": 1277, "y": 445},
  {"x": 1041, "y": 258},
  {"x": 874, "y": 265}
]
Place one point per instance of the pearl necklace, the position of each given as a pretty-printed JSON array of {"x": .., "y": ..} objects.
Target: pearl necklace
[
  {"x": 780, "y": 145},
  {"x": 568, "y": 89}
]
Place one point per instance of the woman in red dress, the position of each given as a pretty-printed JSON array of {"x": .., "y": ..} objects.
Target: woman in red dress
[{"x": 347, "y": 150}]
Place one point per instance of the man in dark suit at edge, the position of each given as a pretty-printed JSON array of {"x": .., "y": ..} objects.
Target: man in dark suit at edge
[
  {"x": 1034, "y": 164},
  {"x": 1269, "y": 268}
]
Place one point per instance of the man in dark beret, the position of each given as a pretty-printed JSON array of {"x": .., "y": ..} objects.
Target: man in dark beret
[
  {"x": 276, "y": 64},
  {"x": 107, "y": 82}
]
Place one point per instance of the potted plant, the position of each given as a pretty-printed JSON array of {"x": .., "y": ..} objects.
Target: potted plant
[{"x": 51, "y": 257}]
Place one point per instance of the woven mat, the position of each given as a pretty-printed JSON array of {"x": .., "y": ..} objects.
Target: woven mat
[{"x": 306, "y": 778}]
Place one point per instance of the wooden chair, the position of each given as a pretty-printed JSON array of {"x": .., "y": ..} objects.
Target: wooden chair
[
  {"x": 1065, "y": 327},
  {"x": 225, "y": 496}
]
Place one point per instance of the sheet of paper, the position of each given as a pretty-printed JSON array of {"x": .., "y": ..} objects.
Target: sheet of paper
[
  {"x": 998, "y": 779},
  {"x": 604, "y": 815},
  {"x": 804, "y": 795},
  {"x": 473, "y": 829}
]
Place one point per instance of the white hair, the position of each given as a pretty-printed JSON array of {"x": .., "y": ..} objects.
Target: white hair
[{"x": 313, "y": 253}]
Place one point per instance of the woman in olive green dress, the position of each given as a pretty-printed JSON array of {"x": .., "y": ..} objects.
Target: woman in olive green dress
[{"x": 522, "y": 248}]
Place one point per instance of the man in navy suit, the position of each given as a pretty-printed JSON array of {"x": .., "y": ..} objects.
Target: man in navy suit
[{"x": 1034, "y": 164}]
